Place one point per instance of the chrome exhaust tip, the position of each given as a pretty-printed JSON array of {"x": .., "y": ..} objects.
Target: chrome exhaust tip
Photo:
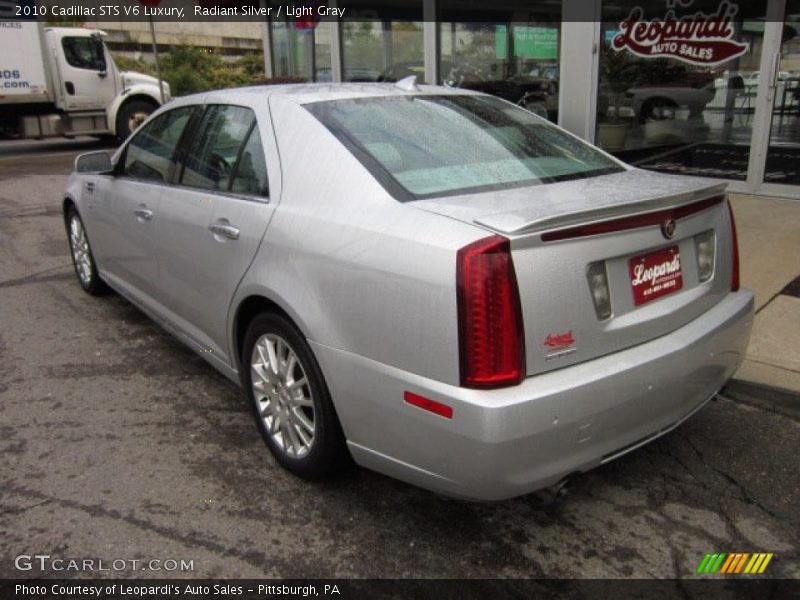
[{"x": 557, "y": 491}]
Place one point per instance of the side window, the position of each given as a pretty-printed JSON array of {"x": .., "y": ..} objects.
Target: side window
[
  {"x": 84, "y": 53},
  {"x": 150, "y": 152},
  {"x": 250, "y": 176},
  {"x": 215, "y": 150}
]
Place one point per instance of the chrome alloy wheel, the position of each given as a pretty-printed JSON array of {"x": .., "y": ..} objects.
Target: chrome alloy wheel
[
  {"x": 80, "y": 250},
  {"x": 283, "y": 396}
]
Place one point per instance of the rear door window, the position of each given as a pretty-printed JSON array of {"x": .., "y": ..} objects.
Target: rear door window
[
  {"x": 226, "y": 154},
  {"x": 250, "y": 176}
]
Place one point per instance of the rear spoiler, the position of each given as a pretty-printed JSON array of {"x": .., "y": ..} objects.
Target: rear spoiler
[{"x": 516, "y": 223}]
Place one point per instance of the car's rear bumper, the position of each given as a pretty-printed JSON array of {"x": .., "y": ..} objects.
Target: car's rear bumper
[{"x": 507, "y": 442}]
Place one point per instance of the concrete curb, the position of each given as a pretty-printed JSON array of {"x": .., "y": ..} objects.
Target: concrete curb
[{"x": 785, "y": 402}]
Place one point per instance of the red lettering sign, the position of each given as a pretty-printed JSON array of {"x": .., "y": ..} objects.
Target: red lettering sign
[{"x": 697, "y": 39}]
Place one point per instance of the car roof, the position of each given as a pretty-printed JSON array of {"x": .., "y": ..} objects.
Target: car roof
[{"x": 305, "y": 93}]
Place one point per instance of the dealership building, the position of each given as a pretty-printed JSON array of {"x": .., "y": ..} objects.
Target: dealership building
[{"x": 696, "y": 87}]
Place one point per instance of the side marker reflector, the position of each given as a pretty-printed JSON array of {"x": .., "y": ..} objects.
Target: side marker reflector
[{"x": 430, "y": 405}]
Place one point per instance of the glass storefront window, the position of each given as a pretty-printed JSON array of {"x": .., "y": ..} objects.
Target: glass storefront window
[
  {"x": 674, "y": 101},
  {"x": 322, "y": 52},
  {"x": 382, "y": 41},
  {"x": 510, "y": 50},
  {"x": 382, "y": 50},
  {"x": 293, "y": 52},
  {"x": 783, "y": 153}
]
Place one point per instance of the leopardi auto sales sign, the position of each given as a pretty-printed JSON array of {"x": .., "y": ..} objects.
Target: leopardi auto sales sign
[{"x": 697, "y": 39}]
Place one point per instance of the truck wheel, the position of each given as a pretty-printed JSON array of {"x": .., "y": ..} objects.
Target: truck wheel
[{"x": 131, "y": 115}]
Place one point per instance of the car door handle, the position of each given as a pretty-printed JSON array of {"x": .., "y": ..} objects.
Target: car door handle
[
  {"x": 143, "y": 214},
  {"x": 228, "y": 231}
]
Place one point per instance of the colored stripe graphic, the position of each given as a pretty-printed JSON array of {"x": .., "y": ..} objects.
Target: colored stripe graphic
[
  {"x": 740, "y": 564},
  {"x": 703, "y": 563},
  {"x": 730, "y": 565},
  {"x": 735, "y": 563},
  {"x": 711, "y": 563},
  {"x": 728, "y": 562},
  {"x": 764, "y": 564},
  {"x": 717, "y": 563},
  {"x": 756, "y": 560}
]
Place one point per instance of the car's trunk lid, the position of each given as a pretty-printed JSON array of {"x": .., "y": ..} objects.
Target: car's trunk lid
[{"x": 553, "y": 249}]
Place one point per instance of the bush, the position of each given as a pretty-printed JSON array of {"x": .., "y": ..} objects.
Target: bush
[
  {"x": 135, "y": 64},
  {"x": 189, "y": 69},
  {"x": 184, "y": 80}
]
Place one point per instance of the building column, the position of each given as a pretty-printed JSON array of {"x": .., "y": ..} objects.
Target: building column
[
  {"x": 266, "y": 41},
  {"x": 311, "y": 53},
  {"x": 388, "y": 58},
  {"x": 578, "y": 67},
  {"x": 337, "y": 63},
  {"x": 431, "y": 39}
]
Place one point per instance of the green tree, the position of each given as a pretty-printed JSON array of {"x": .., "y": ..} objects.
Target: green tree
[
  {"x": 138, "y": 65},
  {"x": 189, "y": 69}
]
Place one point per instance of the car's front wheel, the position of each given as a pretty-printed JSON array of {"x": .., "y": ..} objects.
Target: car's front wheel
[
  {"x": 290, "y": 400},
  {"x": 82, "y": 258}
]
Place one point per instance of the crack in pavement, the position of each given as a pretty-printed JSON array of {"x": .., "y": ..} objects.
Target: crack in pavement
[
  {"x": 31, "y": 210},
  {"x": 22, "y": 509},
  {"x": 748, "y": 497},
  {"x": 190, "y": 540},
  {"x": 36, "y": 278}
]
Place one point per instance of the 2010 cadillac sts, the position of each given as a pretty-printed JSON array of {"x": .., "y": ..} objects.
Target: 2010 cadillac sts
[{"x": 435, "y": 282}]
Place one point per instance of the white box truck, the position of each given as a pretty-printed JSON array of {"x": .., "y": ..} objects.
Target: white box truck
[{"x": 60, "y": 81}]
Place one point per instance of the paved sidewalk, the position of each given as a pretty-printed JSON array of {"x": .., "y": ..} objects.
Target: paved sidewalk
[{"x": 769, "y": 250}]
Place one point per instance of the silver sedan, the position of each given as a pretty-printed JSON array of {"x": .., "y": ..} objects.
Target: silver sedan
[{"x": 434, "y": 283}]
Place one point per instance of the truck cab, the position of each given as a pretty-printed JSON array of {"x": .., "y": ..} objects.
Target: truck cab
[{"x": 62, "y": 81}]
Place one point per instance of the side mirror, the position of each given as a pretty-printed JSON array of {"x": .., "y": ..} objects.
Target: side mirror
[{"x": 94, "y": 162}]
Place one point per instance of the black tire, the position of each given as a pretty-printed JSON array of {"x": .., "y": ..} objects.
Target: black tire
[
  {"x": 131, "y": 116},
  {"x": 82, "y": 258},
  {"x": 327, "y": 452}
]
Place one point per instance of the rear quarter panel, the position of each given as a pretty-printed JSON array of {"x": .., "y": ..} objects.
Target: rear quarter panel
[{"x": 355, "y": 269}]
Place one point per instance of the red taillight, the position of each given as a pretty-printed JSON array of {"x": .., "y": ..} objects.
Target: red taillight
[
  {"x": 735, "y": 253},
  {"x": 490, "y": 336}
]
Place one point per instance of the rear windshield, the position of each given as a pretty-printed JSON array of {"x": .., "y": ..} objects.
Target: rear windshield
[{"x": 426, "y": 146}]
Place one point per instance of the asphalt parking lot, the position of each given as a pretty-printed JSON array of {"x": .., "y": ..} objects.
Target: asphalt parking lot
[{"x": 119, "y": 443}]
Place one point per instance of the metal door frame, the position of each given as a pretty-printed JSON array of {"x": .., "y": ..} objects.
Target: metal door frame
[{"x": 764, "y": 113}]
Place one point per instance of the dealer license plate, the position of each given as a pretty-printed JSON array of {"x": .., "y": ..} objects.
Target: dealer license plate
[{"x": 655, "y": 274}]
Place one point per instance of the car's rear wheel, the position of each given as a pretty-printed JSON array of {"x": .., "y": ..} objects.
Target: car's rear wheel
[
  {"x": 82, "y": 258},
  {"x": 290, "y": 400}
]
